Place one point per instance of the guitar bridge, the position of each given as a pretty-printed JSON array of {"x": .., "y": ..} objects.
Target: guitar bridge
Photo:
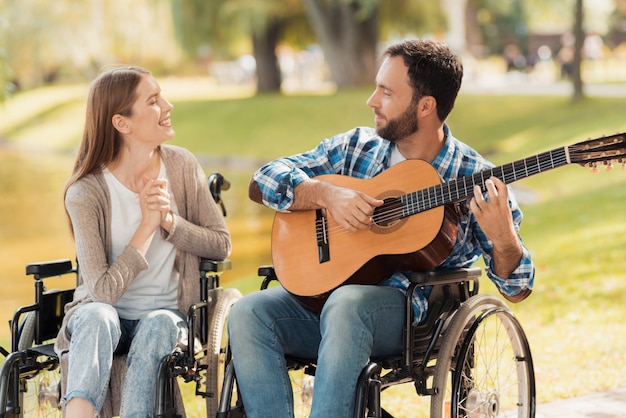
[{"x": 321, "y": 234}]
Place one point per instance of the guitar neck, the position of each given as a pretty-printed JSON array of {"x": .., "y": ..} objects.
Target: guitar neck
[{"x": 460, "y": 189}]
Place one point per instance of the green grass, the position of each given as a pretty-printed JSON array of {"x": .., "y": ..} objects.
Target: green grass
[
  {"x": 267, "y": 126},
  {"x": 576, "y": 228}
]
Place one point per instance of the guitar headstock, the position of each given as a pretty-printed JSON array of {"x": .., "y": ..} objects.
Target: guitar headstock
[{"x": 607, "y": 150}]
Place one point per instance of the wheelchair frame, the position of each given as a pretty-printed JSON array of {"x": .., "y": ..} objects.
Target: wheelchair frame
[
  {"x": 35, "y": 327},
  {"x": 441, "y": 355}
]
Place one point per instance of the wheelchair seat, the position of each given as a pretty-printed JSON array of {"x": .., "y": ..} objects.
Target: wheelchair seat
[{"x": 444, "y": 355}]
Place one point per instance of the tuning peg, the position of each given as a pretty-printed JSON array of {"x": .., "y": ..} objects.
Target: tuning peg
[
  {"x": 593, "y": 167},
  {"x": 608, "y": 166}
]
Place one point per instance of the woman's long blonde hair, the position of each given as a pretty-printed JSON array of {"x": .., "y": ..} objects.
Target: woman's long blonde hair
[{"x": 112, "y": 92}]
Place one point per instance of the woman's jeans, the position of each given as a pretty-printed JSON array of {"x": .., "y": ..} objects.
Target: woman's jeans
[
  {"x": 96, "y": 332},
  {"x": 357, "y": 322}
]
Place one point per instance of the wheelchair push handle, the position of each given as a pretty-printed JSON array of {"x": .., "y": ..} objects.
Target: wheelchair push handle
[{"x": 217, "y": 184}]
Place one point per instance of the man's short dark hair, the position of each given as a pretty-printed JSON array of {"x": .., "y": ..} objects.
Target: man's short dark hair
[{"x": 433, "y": 70}]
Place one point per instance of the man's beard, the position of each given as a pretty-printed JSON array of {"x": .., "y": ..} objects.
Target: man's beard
[{"x": 400, "y": 127}]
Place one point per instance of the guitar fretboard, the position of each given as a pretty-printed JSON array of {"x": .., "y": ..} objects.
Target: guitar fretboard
[{"x": 459, "y": 189}]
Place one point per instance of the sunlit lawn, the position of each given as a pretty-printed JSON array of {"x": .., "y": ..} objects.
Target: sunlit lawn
[{"x": 575, "y": 226}]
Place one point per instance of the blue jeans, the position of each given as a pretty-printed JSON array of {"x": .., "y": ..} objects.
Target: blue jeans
[
  {"x": 357, "y": 322},
  {"x": 96, "y": 332}
]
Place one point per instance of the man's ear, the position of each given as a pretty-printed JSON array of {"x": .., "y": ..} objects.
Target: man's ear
[
  {"x": 426, "y": 106},
  {"x": 120, "y": 123}
]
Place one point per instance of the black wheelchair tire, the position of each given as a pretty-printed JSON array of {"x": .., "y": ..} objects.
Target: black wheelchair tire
[
  {"x": 455, "y": 388},
  {"x": 27, "y": 331},
  {"x": 218, "y": 354}
]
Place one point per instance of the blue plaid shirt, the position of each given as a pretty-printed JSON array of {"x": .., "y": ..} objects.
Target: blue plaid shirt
[{"x": 363, "y": 154}]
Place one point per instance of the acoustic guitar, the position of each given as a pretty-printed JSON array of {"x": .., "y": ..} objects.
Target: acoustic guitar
[{"x": 414, "y": 230}]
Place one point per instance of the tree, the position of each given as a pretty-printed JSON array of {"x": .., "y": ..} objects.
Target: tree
[
  {"x": 219, "y": 27},
  {"x": 498, "y": 26},
  {"x": 569, "y": 16},
  {"x": 348, "y": 31},
  {"x": 264, "y": 43},
  {"x": 5, "y": 71},
  {"x": 266, "y": 22},
  {"x": 348, "y": 34},
  {"x": 579, "y": 40},
  {"x": 46, "y": 41}
]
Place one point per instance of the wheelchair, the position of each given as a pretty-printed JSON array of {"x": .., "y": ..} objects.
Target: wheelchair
[
  {"x": 30, "y": 380},
  {"x": 470, "y": 355}
]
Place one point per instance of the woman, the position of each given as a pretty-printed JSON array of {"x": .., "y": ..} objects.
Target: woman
[{"x": 142, "y": 215}]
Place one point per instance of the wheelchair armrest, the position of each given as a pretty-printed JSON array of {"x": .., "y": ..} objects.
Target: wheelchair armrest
[
  {"x": 44, "y": 269},
  {"x": 433, "y": 277},
  {"x": 215, "y": 266},
  {"x": 268, "y": 273}
]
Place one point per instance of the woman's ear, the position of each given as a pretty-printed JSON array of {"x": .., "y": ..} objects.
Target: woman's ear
[{"x": 120, "y": 123}]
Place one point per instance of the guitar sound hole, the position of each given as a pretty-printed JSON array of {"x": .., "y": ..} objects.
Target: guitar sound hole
[{"x": 389, "y": 213}]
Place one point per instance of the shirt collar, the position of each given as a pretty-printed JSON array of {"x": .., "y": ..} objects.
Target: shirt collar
[{"x": 446, "y": 154}]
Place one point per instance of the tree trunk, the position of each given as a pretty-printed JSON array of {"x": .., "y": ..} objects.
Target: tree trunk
[
  {"x": 456, "y": 37},
  {"x": 579, "y": 40},
  {"x": 267, "y": 68},
  {"x": 348, "y": 40}
]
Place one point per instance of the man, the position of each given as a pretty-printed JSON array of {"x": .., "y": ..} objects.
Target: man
[{"x": 416, "y": 87}]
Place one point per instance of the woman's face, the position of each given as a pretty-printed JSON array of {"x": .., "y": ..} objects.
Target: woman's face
[{"x": 150, "y": 121}]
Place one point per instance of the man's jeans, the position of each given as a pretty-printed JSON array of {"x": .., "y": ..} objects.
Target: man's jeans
[
  {"x": 96, "y": 331},
  {"x": 356, "y": 323}
]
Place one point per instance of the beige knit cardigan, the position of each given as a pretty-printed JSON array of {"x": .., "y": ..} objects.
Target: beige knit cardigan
[{"x": 199, "y": 230}]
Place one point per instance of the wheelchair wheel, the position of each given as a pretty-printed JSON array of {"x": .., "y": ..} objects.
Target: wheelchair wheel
[
  {"x": 217, "y": 348},
  {"x": 27, "y": 331},
  {"x": 484, "y": 367},
  {"x": 301, "y": 379},
  {"x": 302, "y": 385},
  {"x": 31, "y": 386}
]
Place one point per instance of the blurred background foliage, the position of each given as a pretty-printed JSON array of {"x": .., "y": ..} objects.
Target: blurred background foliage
[{"x": 44, "y": 42}]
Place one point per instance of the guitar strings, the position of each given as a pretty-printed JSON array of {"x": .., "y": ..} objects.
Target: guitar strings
[{"x": 435, "y": 196}]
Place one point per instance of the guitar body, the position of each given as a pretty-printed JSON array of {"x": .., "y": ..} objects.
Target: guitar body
[
  {"x": 414, "y": 230},
  {"x": 412, "y": 243}
]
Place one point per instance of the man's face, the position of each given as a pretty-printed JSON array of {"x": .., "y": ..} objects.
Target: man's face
[
  {"x": 400, "y": 127},
  {"x": 392, "y": 101}
]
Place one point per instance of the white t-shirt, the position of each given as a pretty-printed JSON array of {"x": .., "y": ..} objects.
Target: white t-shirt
[
  {"x": 156, "y": 287},
  {"x": 396, "y": 156}
]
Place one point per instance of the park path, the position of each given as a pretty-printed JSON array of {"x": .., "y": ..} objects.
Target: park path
[
  {"x": 609, "y": 404},
  {"x": 506, "y": 84}
]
